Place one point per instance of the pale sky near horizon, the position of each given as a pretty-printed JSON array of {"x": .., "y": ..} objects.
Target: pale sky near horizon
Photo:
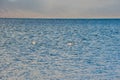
[{"x": 60, "y": 8}]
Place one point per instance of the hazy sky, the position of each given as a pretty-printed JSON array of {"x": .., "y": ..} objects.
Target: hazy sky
[{"x": 60, "y": 8}]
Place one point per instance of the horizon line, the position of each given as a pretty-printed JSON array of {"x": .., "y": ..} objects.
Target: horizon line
[{"x": 51, "y": 18}]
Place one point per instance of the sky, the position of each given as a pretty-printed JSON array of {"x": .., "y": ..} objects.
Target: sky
[{"x": 60, "y": 8}]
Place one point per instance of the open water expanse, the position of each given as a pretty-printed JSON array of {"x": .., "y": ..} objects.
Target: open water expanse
[{"x": 59, "y": 49}]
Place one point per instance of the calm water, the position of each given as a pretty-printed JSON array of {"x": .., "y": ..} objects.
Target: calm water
[{"x": 59, "y": 49}]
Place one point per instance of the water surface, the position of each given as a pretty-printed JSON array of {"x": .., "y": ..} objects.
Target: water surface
[{"x": 59, "y": 49}]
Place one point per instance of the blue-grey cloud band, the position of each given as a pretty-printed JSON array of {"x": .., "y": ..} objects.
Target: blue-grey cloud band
[{"x": 59, "y": 8}]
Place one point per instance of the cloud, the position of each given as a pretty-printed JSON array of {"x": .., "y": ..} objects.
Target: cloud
[{"x": 63, "y": 8}]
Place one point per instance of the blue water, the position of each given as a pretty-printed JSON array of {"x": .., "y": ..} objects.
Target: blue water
[{"x": 59, "y": 49}]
